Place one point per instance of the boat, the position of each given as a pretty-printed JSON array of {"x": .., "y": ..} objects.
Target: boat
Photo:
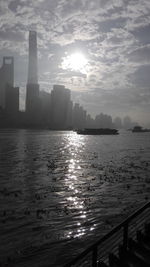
[
  {"x": 99, "y": 131},
  {"x": 139, "y": 129}
]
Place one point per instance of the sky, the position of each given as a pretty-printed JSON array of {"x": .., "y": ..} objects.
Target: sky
[{"x": 99, "y": 49}]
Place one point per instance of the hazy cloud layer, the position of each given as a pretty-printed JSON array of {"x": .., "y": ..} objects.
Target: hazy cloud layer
[{"x": 114, "y": 36}]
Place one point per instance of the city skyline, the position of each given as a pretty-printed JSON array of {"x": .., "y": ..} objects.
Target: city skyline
[
  {"x": 110, "y": 37},
  {"x": 54, "y": 110}
]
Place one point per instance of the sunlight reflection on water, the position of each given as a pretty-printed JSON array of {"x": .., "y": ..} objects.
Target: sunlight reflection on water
[
  {"x": 75, "y": 201},
  {"x": 59, "y": 188}
]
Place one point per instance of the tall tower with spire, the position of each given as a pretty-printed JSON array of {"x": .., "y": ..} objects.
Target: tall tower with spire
[
  {"x": 32, "y": 90},
  {"x": 32, "y": 64}
]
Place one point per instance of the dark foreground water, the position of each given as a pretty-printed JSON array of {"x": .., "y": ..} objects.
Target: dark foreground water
[{"x": 60, "y": 191}]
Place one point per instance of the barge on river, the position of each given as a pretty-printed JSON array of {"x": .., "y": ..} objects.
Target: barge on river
[
  {"x": 139, "y": 129},
  {"x": 99, "y": 131}
]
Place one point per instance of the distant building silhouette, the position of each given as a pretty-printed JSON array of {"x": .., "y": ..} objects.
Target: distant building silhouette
[
  {"x": 118, "y": 123},
  {"x": 32, "y": 90},
  {"x": 79, "y": 116},
  {"x": 45, "y": 108},
  {"x": 11, "y": 100},
  {"x": 90, "y": 122},
  {"x": 128, "y": 123},
  {"x": 53, "y": 110},
  {"x": 69, "y": 118},
  {"x": 6, "y": 78},
  {"x": 60, "y": 107},
  {"x": 32, "y": 63},
  {"x": 103, "y": 121}
]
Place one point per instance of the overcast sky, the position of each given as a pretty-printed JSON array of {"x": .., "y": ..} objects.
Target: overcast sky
[{"x": 113, "y": 37}]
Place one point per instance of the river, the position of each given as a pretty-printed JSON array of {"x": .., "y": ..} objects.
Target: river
[{"x": 59, "y": 191}]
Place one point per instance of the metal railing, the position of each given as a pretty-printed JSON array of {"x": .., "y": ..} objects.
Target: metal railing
[{"x": 109, "y": 243}]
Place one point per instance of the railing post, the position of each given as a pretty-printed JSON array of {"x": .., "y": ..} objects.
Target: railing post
[
  {"x": 94, "y": 257},
  {"x": 125, "y": 236}
]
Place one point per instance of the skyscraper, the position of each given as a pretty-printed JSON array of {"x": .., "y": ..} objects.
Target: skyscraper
[
  {"x": 6, "y": 78},
  {"x": 32, "y": 92},
  {"x": 32, "y": 63},
  {"x": 60, "y": 104},
  {"x": 11, "y": 99}
]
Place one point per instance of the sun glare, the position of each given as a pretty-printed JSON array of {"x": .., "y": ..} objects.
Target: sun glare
[{"x": 75, "y": 62}]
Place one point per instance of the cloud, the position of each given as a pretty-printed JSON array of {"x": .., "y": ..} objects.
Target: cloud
[
  {"x": 142, "y": 34},
  {"x": 12, "y": 36},
  {"x": 141, "y": 54},
  {"x": 113, "y": 35},
  {"x": 141, "y": 77}
]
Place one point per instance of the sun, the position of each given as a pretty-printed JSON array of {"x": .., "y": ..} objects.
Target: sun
[{"x": 75, "y": 62}]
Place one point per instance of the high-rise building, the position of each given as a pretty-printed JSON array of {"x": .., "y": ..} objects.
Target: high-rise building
[
  {"x": 32, "y": 63},
  {"x": 45, "y": 103},
  {"x": 60, "y": 104},
  {"x": 69, "y": 115},
  {"x": 32, "y": 92},
  {"x": 6, "y": 78},
  {"x": 12, "y": 99},
  {"x": 79, "y": 117}
]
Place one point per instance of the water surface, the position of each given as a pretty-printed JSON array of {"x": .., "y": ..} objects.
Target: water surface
[{"x": 60, "y": 191}]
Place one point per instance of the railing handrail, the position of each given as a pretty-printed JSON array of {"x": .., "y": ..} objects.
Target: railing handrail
[{"x": 108, "y": 235}]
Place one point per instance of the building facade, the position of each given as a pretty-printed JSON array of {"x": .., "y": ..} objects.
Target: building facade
[
  {"x": 60, "y": 105},
  {"x": 6, "y": 78},
  {"x": 32, "y": 89}
]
